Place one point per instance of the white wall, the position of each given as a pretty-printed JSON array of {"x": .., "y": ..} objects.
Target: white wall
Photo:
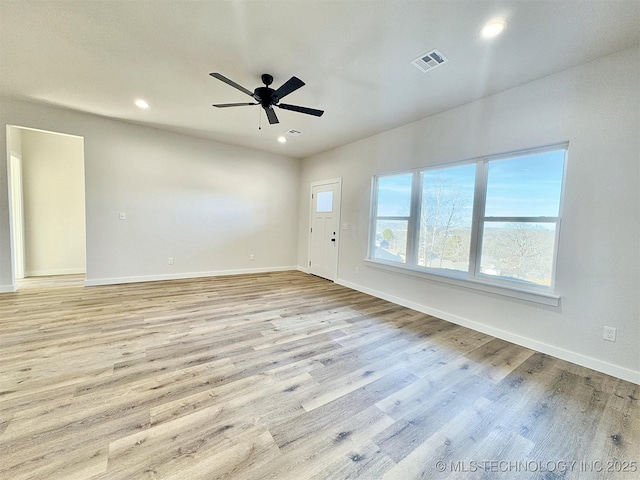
[
  {"x": 596, "y": 107},
  {"x": 53, "y": 193},
  {"x": 208, "y": 205}
]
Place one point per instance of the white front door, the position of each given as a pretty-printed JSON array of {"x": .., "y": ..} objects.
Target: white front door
[{"x": 324, "y": 231}]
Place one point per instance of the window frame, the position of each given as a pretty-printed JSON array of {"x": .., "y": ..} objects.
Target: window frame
[
  {"x": 473, "y": 278},
  {"x": 420, "y": 181}
]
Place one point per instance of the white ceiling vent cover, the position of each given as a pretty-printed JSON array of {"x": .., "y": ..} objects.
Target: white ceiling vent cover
[
  {"x": 293, "y": 133},
  {"x": 429, "y": 61}
]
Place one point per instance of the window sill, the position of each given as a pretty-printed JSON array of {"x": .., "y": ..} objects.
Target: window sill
[{"x": 507, "y": 291}]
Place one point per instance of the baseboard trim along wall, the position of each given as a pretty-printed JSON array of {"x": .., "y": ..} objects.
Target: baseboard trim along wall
[
  {"x": 171, "y": 276},
  {"x": 8, "y": 288},
  {"x": 569, "y": 356}
]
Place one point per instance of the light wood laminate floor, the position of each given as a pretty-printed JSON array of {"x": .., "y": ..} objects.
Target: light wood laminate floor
[{"x": 288, "y": 376}]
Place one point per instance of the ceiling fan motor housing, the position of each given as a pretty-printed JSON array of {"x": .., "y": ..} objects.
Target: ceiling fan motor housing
[{"x": 265, "y": 96}]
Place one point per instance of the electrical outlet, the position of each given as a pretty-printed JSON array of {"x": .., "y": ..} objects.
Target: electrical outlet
[
  {"x": 170, "y": 260},
  {"x": 123, "y": 215},
  {"x": 609, "y": 334},
  {"x": 252, "y": 257}
]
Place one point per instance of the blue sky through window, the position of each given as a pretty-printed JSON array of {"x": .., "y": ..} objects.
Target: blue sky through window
[
  {"x": 394, "y": 195},
  {"x": 527, "y": 186}
]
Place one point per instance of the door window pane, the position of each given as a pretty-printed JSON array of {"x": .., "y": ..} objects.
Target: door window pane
[
  {"x": 391, "y": 240},
  {"x": 324, "y": 202},
  {"x": 519, "y": 251},
  {"x": 445, "y": 218},
  {"x": 527, "y": 186}
]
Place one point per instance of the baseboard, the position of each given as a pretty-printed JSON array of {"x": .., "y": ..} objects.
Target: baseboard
[
  {"x": 54, "y": 271},
  {"x": 302, "y": 269},
  {"x": 573, "y": 357},
  {"x": 8, "y": 288},
  {"x": 180, "y": 276}
]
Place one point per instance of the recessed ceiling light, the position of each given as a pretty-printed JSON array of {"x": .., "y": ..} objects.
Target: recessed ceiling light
[
  {"x": 141, "y": 104},
  {"x": 492, "y": 29},
  {"x": 282, "y": 139}
]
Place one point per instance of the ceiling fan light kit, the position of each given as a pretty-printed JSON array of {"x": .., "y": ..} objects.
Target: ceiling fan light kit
[{"x": 267, "y": 97}]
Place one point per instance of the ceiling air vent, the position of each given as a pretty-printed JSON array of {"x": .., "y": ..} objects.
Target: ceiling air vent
[
  {"x": 293, "y": 133},
  {"x": 429, "y": 61}
]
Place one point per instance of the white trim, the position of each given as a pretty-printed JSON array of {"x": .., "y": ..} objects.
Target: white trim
[
  {"x": 326, "y": 182},
  {"x": 302, "y": 269},
  {"x": 16, "y": 211},
  {"x": 54, "y": 271},
  {"x": 561, "y": 353},
  {"x": 45, "y": 131},
  {"x": 471, "y": 283},
  {"x": 8, "y": 288},
  {"x": 179, "y": 276}
]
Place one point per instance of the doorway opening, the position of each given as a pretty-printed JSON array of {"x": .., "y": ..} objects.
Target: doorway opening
[{"x": 47, "y": 205}]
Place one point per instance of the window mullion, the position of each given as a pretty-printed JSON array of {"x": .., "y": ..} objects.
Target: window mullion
[
  {"x": 401, "y": 218},
  {"x": 477, "y": 223},
  {"x": 413, "y": 227},
  {"x": 522, "y": 219},
  {"x": 373, "y": 217}
]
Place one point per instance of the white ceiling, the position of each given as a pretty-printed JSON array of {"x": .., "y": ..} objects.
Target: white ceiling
[{"x": 354, "y": 55}]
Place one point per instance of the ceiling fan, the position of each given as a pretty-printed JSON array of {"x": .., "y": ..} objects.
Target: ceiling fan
[{"x": 267, "y": 97}]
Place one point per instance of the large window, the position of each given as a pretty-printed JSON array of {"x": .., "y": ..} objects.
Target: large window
[{"x": 492, "y": 220}]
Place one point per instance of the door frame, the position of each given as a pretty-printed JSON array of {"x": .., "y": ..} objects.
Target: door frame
[
  {"x": 16, "y": 216},
  {"x": 311, "y": 212}
]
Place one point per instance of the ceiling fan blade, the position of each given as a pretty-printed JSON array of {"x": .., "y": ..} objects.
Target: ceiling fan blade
[
  {"x": 296, "y": 108},
  {"x": 231, "y": 82},
  {"x": 289, "y": 86},
  {"x": 225, "y": 105},
  {"x": 271, "y": 115}
]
